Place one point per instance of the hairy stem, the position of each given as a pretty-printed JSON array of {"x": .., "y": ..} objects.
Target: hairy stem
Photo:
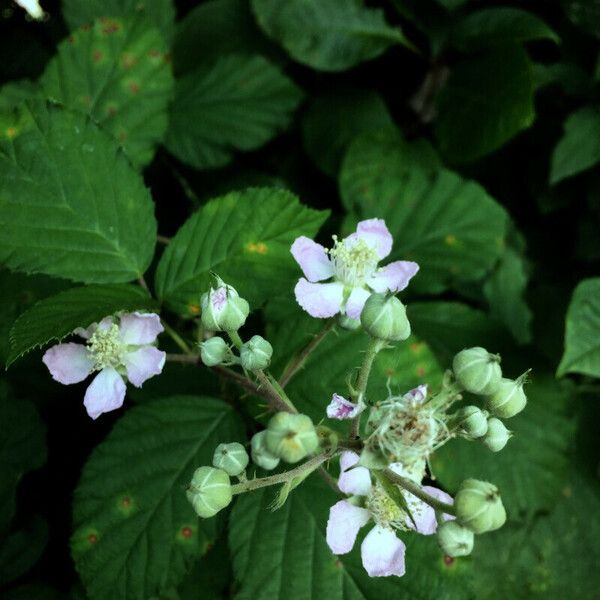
[
  {"x": 254, "y": 484},
  {"x": 176, "y": 337},
  {"x": 416, "y": 490},
  {"x": 285, "y": 404},
  {"x": 300, "y": 359}
]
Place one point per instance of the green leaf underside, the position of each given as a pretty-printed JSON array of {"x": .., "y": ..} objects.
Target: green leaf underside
[
  {"x": 71, "y": 205},
  {"x": 291, "y": 541},
  {"x": 245, "y": 237},
  {"x": 450, "y": 226},
  {"x": 492, "y": 26},
  {"x": 487, "y": 101},
  {"x": 161, "y": 13},
  {"x": 579, "y": 147},
  {"x": 56, "y": 317},
  {"x": 531, "y": 470},
  {"x": 136, "y": 534},
  {"x": 582, "y": 334},
  {"x": 329, "y": 35},
  {"x": 238, "y": 103},
  {"x": 118, "y": 72},
  {"x": 22, "y": 448}
]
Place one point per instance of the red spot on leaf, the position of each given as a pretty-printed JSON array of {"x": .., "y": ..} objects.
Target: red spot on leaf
[
  {"x": 187, "y": 532},
  {"x": 97, "y": 56},
  {"x": 448, "y": 560},
  {"x": 92, "y": 538},
  {"x": 133, "y": 87}
]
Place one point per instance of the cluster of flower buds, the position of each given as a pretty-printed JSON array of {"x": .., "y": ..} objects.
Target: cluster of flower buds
[
  {"x": 253, "y": 355},
  {"x": 478, "y": 371}
]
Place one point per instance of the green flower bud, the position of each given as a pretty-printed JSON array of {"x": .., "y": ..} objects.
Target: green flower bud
[
  {"x": 346, "y": 322},
  {"x": 256, "y": 353},
  {"x": 232, "y": 458},
  {"x": 384, "y": 318},
  {"x": 260, "y": 455},
  {"x": 479, "y": 506},
  {"x": 291, "y": 437},
  {"x": 471, "y": 420},
  {"x": 497, "y": 435},
  {"x": 209, "y": 492},
  {"x": 214, "y": 351},
  {"x": 477, "y": 370},
  {"x": 454, "y": 539},
  {"x": 509, "y": 399},
  {"x": 223, "y": 309}
]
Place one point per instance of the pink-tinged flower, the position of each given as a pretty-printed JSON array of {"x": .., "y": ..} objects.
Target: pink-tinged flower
[
  {"x": 417, "y": 395},
  {"x": 340, "y": 408},
  {"x": 352, "y": 267},
  {"x": 117, "y": 347},
  {"x": 382, "y": 552}
]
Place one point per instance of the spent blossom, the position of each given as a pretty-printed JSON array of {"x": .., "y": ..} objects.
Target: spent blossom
[
  {"x": 382, "y": 552},
  {"x": 349, "y": 271},
  {"x": 119, "y": 349}
]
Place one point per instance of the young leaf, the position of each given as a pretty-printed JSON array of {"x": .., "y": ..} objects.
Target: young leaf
[
  {"x": 136, "y": 534},
  {"x": 238, "y": 103},
  {"x": 496, "y": 26},
  {"x": 449, "y": 225},
  {"x": 579, "y": 147},
  {"x": 582, "y": 333},
  {"x": 118, "y": 72},
  {"x": 328, "y": 35},
  {"x": 161, "y": 13},
  {"x": 470, "y": 123},
  {"x": 70, "y": 203},
  {"x": 56, "y": 317},
  {"x": 246, "y": 238}
]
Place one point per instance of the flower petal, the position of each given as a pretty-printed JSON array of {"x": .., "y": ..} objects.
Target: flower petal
[
  {"x": 376, "y": 234},
  {"x": 415, "y": 472},
  {"x": 321, "y": 300},
  {"x": 144, "y": 363},
  {"x": 353, "y": 480},
  {"x": 312, "y": 258},
  {"x": 340, "y": 408},
  {"x": 443, "y": 497},
  {"x": 356, "y": 302},
  {"x": 140, "y": 328},
  {"x": 68, "y": 363},
  {"x": 345, "y": 520},
  {"x": 423, "y": 514},
  {"x": 393, "y": 277},
  {"x": 105, "y": 393},
  {"x": 383, "y": 553}
]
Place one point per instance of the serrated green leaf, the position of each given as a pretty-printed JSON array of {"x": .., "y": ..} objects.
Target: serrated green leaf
[
  {"x": 449, "y": 225},
  {"x": 531, "y": 470},
  {"x": 333, "y": 120},
  {"x": 284, "y": 555},
  {"x": 582, "y": 331},
  {"x": 579, "y": 147},
  {"x": 70, "y": 203},
  {"x": 471, "y": 122},
  {"x": 117, "y": 71},
  {"x": 246, "y": 238},
  {"x": 215, "y": 28},
  {"x": 329, "y": 35},
  {"x": 56, "y": 317},
  {"x": 238, "y": 103},
  {"x": 136, "y": 534},
  {"x": 22, "y": 448},
  {"x": 499, "y": 25},
  {"x": 160, "y": 13}
]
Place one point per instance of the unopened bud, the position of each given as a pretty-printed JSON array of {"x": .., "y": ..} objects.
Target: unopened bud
[
  {"x": 497, "y": 435},
  {"x": 291, "y": 436},
  {"x": 260, "y": 455},
  {"x": 509, "y": 399},
  {"x": 232, "y": 458},
  {"x": 384, "y": 317},
  {"x": 471, "y": 420},
  {"x": 479, "y": 506},
  {"x": 256, "y": 353},
  {"x": 477, "y": 371},
  {"x": 209, "y": 492},
  {"x": 214, "y": 351},
  {"x": 454, "y": 539},
  {"x": 223, "y": 309}
]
